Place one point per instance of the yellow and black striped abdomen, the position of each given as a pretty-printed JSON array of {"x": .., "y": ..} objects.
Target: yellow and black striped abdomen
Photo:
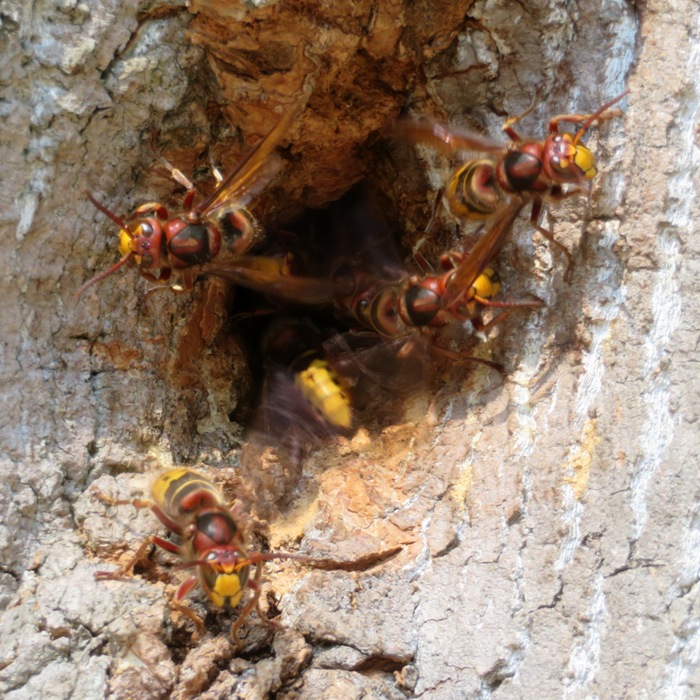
[
  {"x": 321, "y": 387},
  {"x": 181, "y": 491},
  {"x": 473, "y": 191}
]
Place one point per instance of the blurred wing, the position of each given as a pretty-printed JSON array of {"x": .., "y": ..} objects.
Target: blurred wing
[
  {"x": 287, "y": 413},
  {"x": 361, "y": 235},
  {"x": 482, "y": 253},
  {"x": 287, "y": 420},
  {"x": 399, "y": 365},
  {"x": 302, "y": 290},
  {"x": 253, "y": 172},
  {"x": 446, "y": 138}
]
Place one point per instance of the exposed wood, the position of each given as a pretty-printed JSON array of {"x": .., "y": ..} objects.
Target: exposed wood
[{"x": 533, "y": 536}]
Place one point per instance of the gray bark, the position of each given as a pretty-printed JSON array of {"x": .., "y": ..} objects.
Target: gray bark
[{"x": 547, "y": 522}]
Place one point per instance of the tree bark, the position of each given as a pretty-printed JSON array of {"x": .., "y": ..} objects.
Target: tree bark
[{"x": 528, "y": 536}]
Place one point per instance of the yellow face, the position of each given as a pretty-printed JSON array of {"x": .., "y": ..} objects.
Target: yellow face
[
  {"x": 585, "y": 162},
  {"x": 125, "y": 239},
  {"x": 227, "y": 590},
  {"x": 567, "y": 160},
  {"x": 571, "y": 162},
  {"x": 224, "y": 582},
  {"x": 487, "y": 284}
]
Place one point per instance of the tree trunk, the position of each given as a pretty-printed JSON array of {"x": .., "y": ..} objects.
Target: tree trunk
[{"x": 533, "y": 535}]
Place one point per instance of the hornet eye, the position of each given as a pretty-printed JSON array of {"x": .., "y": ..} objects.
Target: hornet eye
[{"x": 145, "y": 229}]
